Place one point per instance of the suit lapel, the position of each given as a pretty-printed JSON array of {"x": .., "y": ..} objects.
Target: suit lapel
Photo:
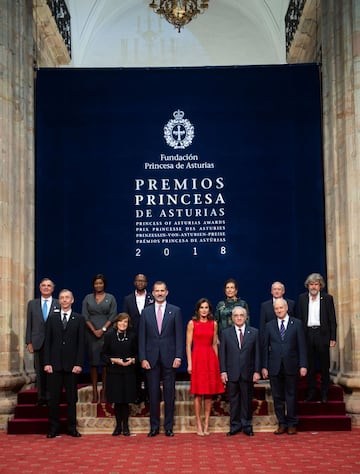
[
  {"x": 306, "y": 304},
  {"x": 167, "y": 314},
  {"x": 234, "y": 337},
  {"x": 290, "y": 327},
  {"x": 39, "y": 311},
  {"x": 322, "y": 308},
  {"x": 59, "y": 321},
  {"x": 53, "y": 306},
  {"x": 276, "y": 329},
  {"x": 153, "y": 318},
  {"x": 247, "y": 333}
]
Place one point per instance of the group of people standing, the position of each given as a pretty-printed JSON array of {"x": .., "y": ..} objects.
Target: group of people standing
[
  {"x": 55, "y": 334},
  {"x": 293, "y": 341},
  {"x": 143, "y": 346}
]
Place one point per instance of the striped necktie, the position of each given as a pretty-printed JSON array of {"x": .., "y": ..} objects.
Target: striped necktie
[
  {"x": 64, "y": 320},
  {"x": 282, "y": 330}
]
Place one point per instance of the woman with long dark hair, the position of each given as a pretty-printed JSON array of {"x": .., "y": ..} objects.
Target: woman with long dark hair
[{"x": 203, "y": 363}]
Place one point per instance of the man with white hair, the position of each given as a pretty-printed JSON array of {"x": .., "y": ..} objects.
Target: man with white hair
[{"x": 284, "y": 361}]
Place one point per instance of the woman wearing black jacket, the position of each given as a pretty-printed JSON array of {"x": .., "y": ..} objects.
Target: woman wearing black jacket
[{"x": 120, "y": 355}]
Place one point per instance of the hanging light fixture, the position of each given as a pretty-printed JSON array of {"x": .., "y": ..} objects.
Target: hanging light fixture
[{"x": 179, "y": 12}]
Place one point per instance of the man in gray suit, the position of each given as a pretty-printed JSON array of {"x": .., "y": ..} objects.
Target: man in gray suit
[
  {"x": 38, "y": 310},
  {"x": 240, "y": 368}
]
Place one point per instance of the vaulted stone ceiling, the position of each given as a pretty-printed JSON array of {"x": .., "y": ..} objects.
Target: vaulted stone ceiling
[{"x": 127, "y": 33}]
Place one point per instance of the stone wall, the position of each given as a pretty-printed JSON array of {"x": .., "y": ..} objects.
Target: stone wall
[{"x": 17, "y": 182}]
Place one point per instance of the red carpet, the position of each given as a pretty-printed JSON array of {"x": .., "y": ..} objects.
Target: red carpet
[{"x": 307, "y": 452}]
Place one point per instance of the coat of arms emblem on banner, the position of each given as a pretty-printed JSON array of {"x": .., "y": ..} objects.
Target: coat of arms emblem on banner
[{"x": 179, "y": 132}]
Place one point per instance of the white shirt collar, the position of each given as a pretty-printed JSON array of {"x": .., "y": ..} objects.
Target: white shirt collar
[
  {"x": 68, "y": 314},
  {"x": 286, "y": 320}
]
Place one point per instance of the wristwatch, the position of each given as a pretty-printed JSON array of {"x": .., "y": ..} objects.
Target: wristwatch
[{"x": 104, "y": 328}]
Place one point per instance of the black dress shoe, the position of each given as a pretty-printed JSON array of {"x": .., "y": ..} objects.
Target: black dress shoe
[
  {"x": 52, "y": 435},
  {"x": 324, "y": 398},
  {"x": 117, "y": 431},
  {"x": 153, "y": 433},
  {"x": 126, "y": 432},
  {"x": 169, "y": 433},
  {"x": 310, "y": 397},
  {"x": 233, "y": 432},
  {"x": 41, "y": 403},
  {"x": 249, "y": 432},
  {"x": 74, "y": 434}
]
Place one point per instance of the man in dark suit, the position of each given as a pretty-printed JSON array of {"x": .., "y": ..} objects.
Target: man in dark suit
[
  {"x": 160, "y": 353},
  {"x": 133, "y": 305},
  {"x": 64, "y": 359},
  {"x": 240, "y": 367},
  {"x": 284, "y": 360},
  {"x": 317, "y": 311},
  {"x": 38, "y": 311},
  {"x": 136, "y": 301},
  {"x": 267, "y": 307}
]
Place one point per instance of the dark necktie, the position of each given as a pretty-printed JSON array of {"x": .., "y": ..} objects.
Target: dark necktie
[
  {"x": 64, "y": 320},
  {"x": 241, "y": 336},
  {"x": 282, "y": 330}
]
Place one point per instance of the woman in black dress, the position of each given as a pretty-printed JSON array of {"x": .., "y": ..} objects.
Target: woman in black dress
[{"x": 120, "y": 355}]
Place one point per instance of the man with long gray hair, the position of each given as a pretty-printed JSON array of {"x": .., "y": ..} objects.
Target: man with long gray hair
[{"x": 316, "y": 309}]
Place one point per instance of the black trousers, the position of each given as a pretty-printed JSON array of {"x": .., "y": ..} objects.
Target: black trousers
[
  {"x": 121, "y": 411},
  {"x": 318, "y": 354},
  {"x": 240, "y": 394},
  {"x": 56, "y": 382}
]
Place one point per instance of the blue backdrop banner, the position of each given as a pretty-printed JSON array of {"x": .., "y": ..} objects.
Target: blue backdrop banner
[{"x": 189, "y": 175}]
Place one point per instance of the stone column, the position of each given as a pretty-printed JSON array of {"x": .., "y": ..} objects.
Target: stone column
[
  {"x": 341, "y": 114},
  {"x": 306, "y": 45},
  {"x": 330, "y": 30},
  {"x": 16, "y": 194},
  {"x": 29, "y": 38}
]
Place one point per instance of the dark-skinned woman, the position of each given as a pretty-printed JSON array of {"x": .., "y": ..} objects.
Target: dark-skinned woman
[{"x": 99, "y": 309}]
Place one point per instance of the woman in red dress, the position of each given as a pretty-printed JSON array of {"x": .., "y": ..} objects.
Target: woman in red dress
[{"x": 203, "y": 362}]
